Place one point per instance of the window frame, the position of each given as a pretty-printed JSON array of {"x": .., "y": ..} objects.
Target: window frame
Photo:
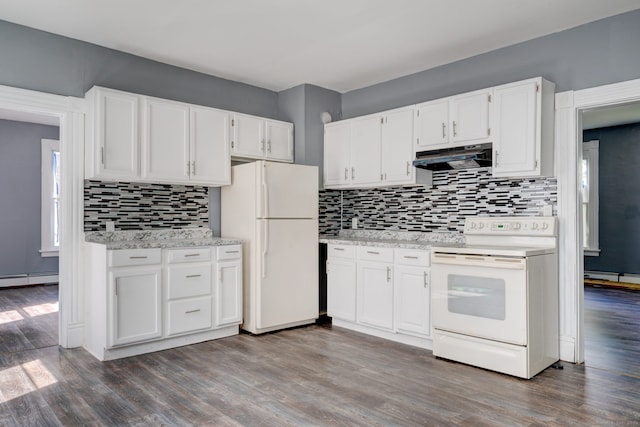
[
  {"x": 590, "y": 154},
  {"x": 47, "y": 227}
]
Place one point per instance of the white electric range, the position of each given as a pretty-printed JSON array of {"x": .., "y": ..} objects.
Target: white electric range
[{"x": 495, "y": 298}]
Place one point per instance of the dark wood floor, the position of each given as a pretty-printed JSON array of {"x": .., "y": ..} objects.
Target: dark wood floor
[{"x": 309, "y": 376}]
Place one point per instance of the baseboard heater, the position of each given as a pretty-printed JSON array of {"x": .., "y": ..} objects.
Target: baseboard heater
[
  {"x": 613, "y": 277},
  {"x": 28, "y": 279}
]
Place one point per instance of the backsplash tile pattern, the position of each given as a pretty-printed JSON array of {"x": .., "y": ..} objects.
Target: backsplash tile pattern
[
  {"x": 455, "y": 195},
  {"x": 137, "y": 206}
]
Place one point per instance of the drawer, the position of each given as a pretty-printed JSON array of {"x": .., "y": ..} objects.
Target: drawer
[
  {"x": 229, "y": 252},
  {"x": 127, "y": 257},
  {"x": 372, "y": 253},
  {"x": 188, "y": 255},
  {"x": 342, "y": 251},
  {"x": 412, "y": 257},
  {"x": 189, "y": 315},
  {"x": 188, "y": 280}
]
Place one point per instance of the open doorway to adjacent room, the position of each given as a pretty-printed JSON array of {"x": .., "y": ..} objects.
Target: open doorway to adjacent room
[
  {"x": 610, "y": 194},
  {"x": 30, "y": 228}
]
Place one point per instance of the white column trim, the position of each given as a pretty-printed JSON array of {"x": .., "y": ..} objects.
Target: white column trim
[
  {"x": 70, "y": 112},
  {"x": 570, "y": 251}
]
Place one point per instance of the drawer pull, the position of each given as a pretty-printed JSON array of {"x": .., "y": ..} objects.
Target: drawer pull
[
  {"x": 191, "y": 311},
  {"x": 191, "y": 255},
  {"x": 138, "y": 257},
  {"x": 410, "y": 257},
  {"x": 338, "y": 249},
  {"x": 231, "y": 252},
  {"x": 373, "y": 252},
  {"x": 190, "y": 276}
]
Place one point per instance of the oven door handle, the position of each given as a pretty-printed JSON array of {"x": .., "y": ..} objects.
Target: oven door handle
[{"x": 515, "y": 263}]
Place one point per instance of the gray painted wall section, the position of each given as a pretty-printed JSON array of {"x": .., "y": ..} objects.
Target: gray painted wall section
[
  {"x": 291, "y": 107},
  {"x": 593, "y": 54},
  {"x": 20, "y": 176},
  {"x": 619, "y": 196}
]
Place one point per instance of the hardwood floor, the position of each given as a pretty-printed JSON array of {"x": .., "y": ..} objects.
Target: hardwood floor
[
  {"x": 316, "y": 375},
  {"x": 612, "y": 329}
]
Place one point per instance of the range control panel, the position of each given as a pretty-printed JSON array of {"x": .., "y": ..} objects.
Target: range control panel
[{"x": 511, "y": 226}]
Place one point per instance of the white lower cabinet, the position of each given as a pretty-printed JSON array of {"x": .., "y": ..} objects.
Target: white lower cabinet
[
  {"x": 160, "y": 298},
  {"x": 381, "y": 291}
]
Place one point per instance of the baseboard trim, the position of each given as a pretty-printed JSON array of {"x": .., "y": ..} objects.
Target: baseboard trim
[{"x": 28, "y": 279}]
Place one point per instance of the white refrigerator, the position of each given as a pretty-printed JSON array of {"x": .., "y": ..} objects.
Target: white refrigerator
[{"x": 273, "y": 208}]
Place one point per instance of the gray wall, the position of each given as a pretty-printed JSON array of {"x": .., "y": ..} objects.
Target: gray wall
[
  {"x": 594, "y": 54},
  {"x": 20, "y": 153},
  {"x": 619, "y": 185}
]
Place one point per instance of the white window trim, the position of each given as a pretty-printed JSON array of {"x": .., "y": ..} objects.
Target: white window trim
[
  {"x": 590, "y": 152},
  {"x": 47, "y": 248}
]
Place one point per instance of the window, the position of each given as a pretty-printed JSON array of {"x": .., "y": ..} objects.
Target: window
[
  {"x": 590, "y": 198},
  {"x": 50, "y": 206}
]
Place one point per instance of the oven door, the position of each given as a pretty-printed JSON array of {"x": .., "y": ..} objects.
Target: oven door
[{"x": 480, "y": 296}]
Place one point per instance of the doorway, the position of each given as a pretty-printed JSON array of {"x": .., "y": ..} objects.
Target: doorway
[{"x": 30, "y": 226}]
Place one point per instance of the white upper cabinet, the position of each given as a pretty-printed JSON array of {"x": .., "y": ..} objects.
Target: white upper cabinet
[
  {"x": 431, "y": 126},
  {"x": 209, "y": 146},
  {"x": 469, "y": 117},
  {"x": 112, "y": 135},
  {"x": 258, "y": 138},
  {"x": 523, "y": 120},
  {"x": 165, "y": 140},
  {"x": 337, "y": 151},
  {"x": 397, "y": 147},
  {"x": 365, "y": 150}
]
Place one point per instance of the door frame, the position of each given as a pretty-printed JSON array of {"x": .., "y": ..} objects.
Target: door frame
[
  {"x": 568, "y": 153},
  {"x": 70, "y": 112}
]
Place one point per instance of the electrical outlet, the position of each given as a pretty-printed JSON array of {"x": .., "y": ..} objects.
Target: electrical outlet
[{"x": 110, "y": 226}]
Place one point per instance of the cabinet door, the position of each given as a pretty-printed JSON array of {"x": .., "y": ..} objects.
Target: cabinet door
[
  {"x": 412, "y": 300},
  {"x": 165, "y": 141},
  {"x": 279, "y": 137},
  {"x": 365, "y": 150},
  {"x": 229, "y": 293},
  {"x": 116, "y": 134},
  {"x": 375, "y": 294},
  {"x": 248, "y": 136},
  {"x": 515, "y": 147},
  {"x": 397, "y": 147},
  {"x": 469, "y": 115},
  {"x": 431, "y": 125},
  {"x": 135, "y": 311},
  {"x": 341, "y": 289},
  {"x": 209, "y": 138},
  {"x": 337, "y": 149}
]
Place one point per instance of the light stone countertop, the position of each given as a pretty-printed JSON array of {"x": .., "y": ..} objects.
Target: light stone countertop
[
  {"x": 394, "y": 239},
  {"x": 144, "y": 239}
]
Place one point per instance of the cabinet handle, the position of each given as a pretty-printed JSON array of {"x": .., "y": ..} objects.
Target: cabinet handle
[
  {"x": 191, "y": 311},
  {"x": 388, "y": 274},
  {"x": 219, "y": 274},
  {"x": 338, "y": 249},
  {"x": 408, "y": 170},
  {"x": 191, "y": 276},
  {"x": 454, "y": 128},
  {"x": 346, "y": 173},
  {"x": 353, "y": 173},
  {"x": 373, "y": 252},
  {"x": 102, "y": 155},
  {"x": 417, "y": 141},
  {"x": 410, "y": 257},
  {"x": 193, "y": 167},
  {"x": 231, "y": 252},
  {"x": 269, "y": 146},
  {"x": 116, "y": 288},
  {"x": 426, "y": 280},
  {"x": 189, "y": 168},
  {"x": 232, "y": 144},
  {"x": 139, "y": 257},
  {"x": 191, "y": 255},
  {"x": 444, "y": 127},
  {"x": 495, "y": 153}
]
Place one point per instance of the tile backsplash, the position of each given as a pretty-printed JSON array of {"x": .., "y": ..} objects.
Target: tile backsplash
[
  {"x": 137, "y": 206},
  {"x": 454, "y": 196}
]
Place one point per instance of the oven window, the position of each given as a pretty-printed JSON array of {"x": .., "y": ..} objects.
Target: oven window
[{"x": 476, "y": 296}]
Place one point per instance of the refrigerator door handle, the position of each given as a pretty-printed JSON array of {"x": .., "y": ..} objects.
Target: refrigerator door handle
[
  {"x": 265, "y": 249},
  {"x": 265, "y": 192}
]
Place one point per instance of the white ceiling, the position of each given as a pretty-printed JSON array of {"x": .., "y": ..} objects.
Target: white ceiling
[{"x": 337, "y": 44}]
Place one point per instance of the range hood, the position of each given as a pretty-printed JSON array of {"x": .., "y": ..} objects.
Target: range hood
[{"x": 467, "y": 157}]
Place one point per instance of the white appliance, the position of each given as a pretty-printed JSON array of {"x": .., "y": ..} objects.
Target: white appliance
[
  {"x": 495, "y": 298},
  {"x": 273, "y": 208}
]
